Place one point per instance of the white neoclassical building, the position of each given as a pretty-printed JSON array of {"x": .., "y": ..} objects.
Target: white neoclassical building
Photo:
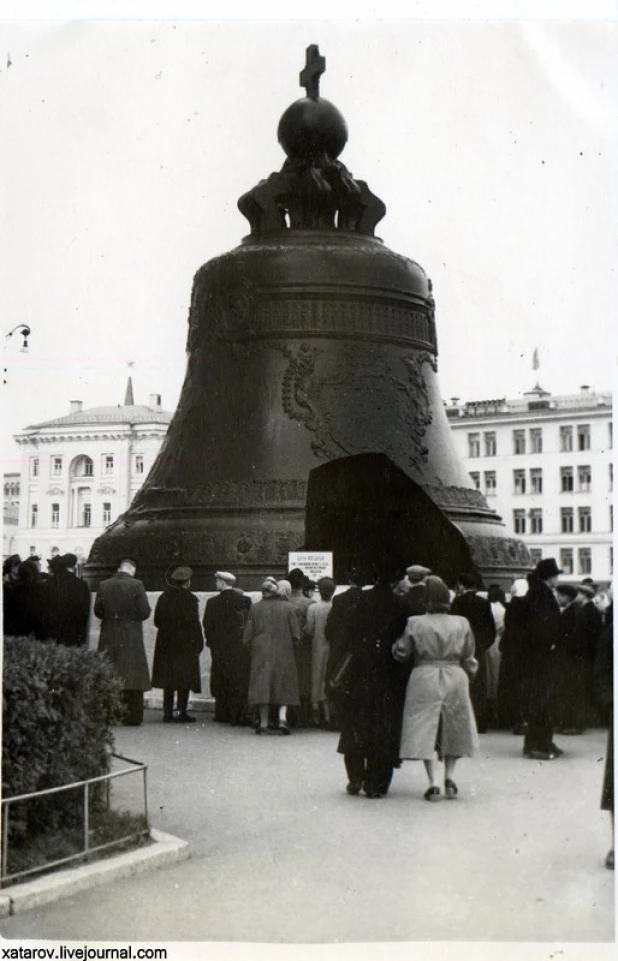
[
  {"x": 81, "y": 471},
  {"x": 545, "y": 464}
]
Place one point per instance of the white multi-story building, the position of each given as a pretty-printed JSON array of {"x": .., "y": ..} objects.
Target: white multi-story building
[
  {"x": 81, "y": 471},
  {"x": 545, "y": 464}
]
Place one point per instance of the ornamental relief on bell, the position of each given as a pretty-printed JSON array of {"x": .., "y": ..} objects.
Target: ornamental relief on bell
[
  {"x": 250, "y": 545},
  {"x": 359, "y": 399}
]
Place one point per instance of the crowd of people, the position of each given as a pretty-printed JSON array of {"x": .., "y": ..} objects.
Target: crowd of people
[{"x": 405, "y": 670}]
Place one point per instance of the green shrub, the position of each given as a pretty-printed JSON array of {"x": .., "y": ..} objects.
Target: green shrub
[{"x": 59, "y": 705}]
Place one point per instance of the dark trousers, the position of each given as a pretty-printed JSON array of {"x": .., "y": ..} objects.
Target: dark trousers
[
  {"x": 133, "y": 702},
  {"x": 182, "y": 699},
  {"x": 373, "y": 773},
  {"x": 540, "y": 714}
]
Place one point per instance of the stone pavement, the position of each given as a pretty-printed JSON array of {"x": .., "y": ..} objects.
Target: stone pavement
[{"x": 281, "y": 854}]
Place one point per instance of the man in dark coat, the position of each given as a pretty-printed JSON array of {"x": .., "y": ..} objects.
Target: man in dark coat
[
  {"x": 604, "y": 691},
  {"x": 336, "y": 632},
  {"x": 542, "y": 638},
  {"x": 224, "y": 622},
  {"x": 302, "y": 651},
  {"x": 374, "y": 690},
  {"x": 22, "y": 610},
  {"x": 176, "y": 662},
  {"x": 477, "y": 611},
  {"x": 510, "y": 695},
  {"x": 65, "y": 603},
  {"x": 571, "y": 657},
  {"x": 121, "y": 604}
]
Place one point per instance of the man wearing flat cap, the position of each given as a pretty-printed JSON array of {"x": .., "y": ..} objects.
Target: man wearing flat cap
[
  {"x": 224, "y": 622},
  {"x": 179, "y": 643},
  {"x": 122, "y": 605},
  {"x": 65, "y": 603},
  {"x": 542, "y": 639}
]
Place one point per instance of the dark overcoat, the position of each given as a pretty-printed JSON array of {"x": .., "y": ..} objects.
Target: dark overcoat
[
  {"x": 375, "y": 684},
  {"x": 477, "y": 612},
  {"x": 541, "y": 638},
  {"x": 604, "y": 691},
  {"x": 65, "y": 605},
  {"x": 512, "y": 654},
  {"x": 179, "y": 643},
  {"x": 122, "y": 605},
  {"x": 224, "y": 623},
  {"x": 571, "y": 670},
  {"x": 338, "y": 627},
  {"x": 22, "y": 611},
  {"x": 271, "y": 632},
  {"x": 302, "y": 650}
]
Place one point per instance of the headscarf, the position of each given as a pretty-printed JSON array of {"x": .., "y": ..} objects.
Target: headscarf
[
  {"x": 519, "y": 587},
  {"x": 285, "y": 589}
]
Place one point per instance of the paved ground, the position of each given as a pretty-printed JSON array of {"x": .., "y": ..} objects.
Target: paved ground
[{"x": 281, "y": 854}]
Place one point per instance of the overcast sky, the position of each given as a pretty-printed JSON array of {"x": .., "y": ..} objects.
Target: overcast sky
[{"x": 127, "y": 145}]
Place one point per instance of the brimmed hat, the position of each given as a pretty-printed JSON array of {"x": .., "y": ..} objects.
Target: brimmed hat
[
  {"x": 55, "y": 563},
  {"x": 13, "y": 561},
  {"x": 436, "y": 591},
  {"x": 225, "y": 576},
  {"x": 67, "y": 560},
  {"x": 547, "y": 568},
  {"x": 586, "y": 589},
  {"x": 568, "y": 590},
  {"x": 270, "y": 586},
  {"x": 417, "y": 573},
  {"x": 180, "y": 575}
]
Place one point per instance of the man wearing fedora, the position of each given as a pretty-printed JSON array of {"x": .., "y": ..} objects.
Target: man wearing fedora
[
  {"x": 542, "y": 639},
  {"x": 121, "y": 604},
  {"x": 179, "y": 643},
  {"x": 224, "y": 623},
  {"x": 65, "y": 603}
]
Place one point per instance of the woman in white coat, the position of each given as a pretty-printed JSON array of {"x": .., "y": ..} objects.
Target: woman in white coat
[{"x": 438, "y": 714}]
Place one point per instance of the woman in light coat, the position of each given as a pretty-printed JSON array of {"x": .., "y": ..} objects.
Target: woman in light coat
[
  {"x": 271, "y": 631},
  {"x": 438, "y": 713}
]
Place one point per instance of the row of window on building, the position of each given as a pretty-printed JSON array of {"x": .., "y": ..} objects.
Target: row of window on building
[
  {"x": 84, "y": 520},
  {"x": 11, "y": 489},
  {"x": 531, "y": 522},
  {"x": 532, "y": 482},
  {"x": 571, "y": 438},
  {"x": 567, "y": 556},
  {"x": 82, "y": 466}
]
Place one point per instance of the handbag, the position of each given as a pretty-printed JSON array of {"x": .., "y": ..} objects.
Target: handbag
[{"x": 339, "y": 674}]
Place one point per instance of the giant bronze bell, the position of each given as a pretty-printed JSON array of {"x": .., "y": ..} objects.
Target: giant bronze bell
[{"x": 312, "y": 366}]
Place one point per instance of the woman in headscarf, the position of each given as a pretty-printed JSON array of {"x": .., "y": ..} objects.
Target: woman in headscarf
[
  {"x": 271, "y": 632},
  {"x": 438, "y": 714}
]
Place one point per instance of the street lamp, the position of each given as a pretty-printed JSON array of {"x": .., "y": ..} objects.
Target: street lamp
[{"x": 24, "y": 331}]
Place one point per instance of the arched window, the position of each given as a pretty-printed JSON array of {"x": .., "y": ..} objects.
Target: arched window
[{"x": 82, "y": 466}]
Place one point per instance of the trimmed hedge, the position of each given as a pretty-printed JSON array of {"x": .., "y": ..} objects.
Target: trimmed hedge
[{"x": 59, "y": 705}]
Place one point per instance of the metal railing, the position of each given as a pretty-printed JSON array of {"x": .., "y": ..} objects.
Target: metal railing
[{"x": 86, "y": 850}]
